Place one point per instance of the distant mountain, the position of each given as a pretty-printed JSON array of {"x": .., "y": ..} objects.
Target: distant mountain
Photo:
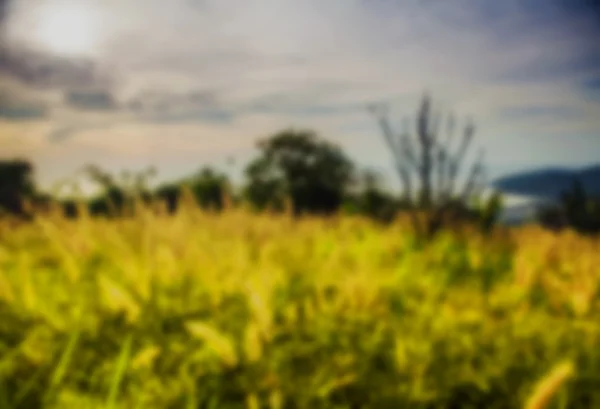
[{"x": 549, "y": 183}]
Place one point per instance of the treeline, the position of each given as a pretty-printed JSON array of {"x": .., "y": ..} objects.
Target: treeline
[
  {"x": 576, "y": 209},
  {"x": 299, "y": 172},
  {"x": 295, "y": 171}
]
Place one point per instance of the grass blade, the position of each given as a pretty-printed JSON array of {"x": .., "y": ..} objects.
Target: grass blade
[
  {"x": 119, "y": 373},
  {"x": 548, "y": 386},
  {"x": 59, "y": 372},
  {"x": 65, "y": 359}
]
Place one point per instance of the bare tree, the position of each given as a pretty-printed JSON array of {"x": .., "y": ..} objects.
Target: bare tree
[{"x": 422, "y": 156}]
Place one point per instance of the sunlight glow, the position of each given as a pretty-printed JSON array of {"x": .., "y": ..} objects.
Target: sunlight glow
[{"x": 67, "y": 28}]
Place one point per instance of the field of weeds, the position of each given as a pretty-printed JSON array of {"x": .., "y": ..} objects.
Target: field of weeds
[{"x": 237, "y": 310}]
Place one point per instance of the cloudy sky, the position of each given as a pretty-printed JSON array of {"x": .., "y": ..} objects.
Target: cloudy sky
[{"x": 182, "y": 83}]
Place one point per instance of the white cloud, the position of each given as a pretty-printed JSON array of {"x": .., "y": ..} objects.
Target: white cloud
[{"x": 336, "y": 52}]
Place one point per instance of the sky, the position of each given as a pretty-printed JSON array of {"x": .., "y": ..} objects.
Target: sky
[{"x": 180, "y": 84}]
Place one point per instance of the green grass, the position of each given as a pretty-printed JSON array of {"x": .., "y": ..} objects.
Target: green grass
[{"x": 248, "y": 311}]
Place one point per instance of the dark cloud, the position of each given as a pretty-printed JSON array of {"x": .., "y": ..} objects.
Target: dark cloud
[
  {"x": 204, "y": 97},
  {"x": 269, "y": 102},
  {"x": 22, "y": 113},
  {"x": 39, "y": 71},
  {"x": 46, "y": 71},
  {"x": 91, "y": 100},
  {"x": 192, "y": 106},
  {"x": 159, "y": 102},
  {"x": 20, "y": 109},
  {"x": 304, "y": 109},
  {"x": 202, "y": 115},
  {"x": 3, "y": 12},
  {"x": 305, "y": 104},
  {"x": 205, "y": 105},
  {"x": 148, "y": 106},
  {"x": 64, "y": 132}
]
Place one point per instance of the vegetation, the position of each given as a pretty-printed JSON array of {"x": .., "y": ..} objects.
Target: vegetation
[
  {"x": 576, "y": 210},
  {"x": 230, "y": 310},
  {"x": 312, "y": 173},
  {"x": 16, "y": 183},
  {"x": 208, "y": 187},
  {"x": 370, "y": 198},
  {"x": 309, "y": 174},
  {"x": 294, "y": 167},
  {"x": 426, "y": 159},
  {"x": 287, "y": 295}
]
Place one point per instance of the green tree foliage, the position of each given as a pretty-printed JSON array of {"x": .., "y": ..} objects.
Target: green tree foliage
[
  {"x": 169, "y": 193},
  {"x": 489, "y": 212},
  {"x": 208, "y": 186},
  {"x": 117, "y": 196},
  {"x": 576, "y": 210},
  {"x": 112, "y": 198},
  {"x": 371, "y": 199},
  {"x": 265, "y": 188},
  {"x": 16, "y": 185},
  {"x": 421, "y": 155},
  {"x": 312, "y": 173}
]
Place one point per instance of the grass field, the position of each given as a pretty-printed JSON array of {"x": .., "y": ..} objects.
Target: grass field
[{"x": 244, "y": 311}]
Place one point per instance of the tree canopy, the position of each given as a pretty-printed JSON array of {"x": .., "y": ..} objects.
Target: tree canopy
[
  {"x": 16, "y": 184},
  {"x": 312, "y": 173}
]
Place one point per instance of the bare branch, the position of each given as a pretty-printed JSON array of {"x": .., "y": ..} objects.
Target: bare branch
[
  {"x": 421, "y": 152},
  {"x": 434, "y": 130},
  {"x": 406, "y": 180},
  {"x": 476, "y": 170},
  {"x": 425, "y": 141},
  {"x": 408, "y": 151},
  {"x": 447, "y": 161},
  {"x": 423, "y": 117},
  {"x": 456, "y": 161},
  {"x": 380, "y": 112},
  {"x": 440, "y": 159},
  {"x": 435, "y": 152}
]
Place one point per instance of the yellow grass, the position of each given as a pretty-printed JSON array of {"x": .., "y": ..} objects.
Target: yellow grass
[{"x": 261, "y": 310}]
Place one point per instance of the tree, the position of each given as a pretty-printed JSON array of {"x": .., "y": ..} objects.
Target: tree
[
  {"x": 170, "y": 193},
  {"x": 265, "y": 188},
  {"x": 425, "y": 158},
  {"x": 117, "y": 194},
  {"x": 312, "y": 173},
  {"x": 208, "y": 187},
  {"x": 370, "y": 199},
  {"x": 576, "y": 210},
  {"x": 16, "y": 185},
  {"x": 112, "y": 199}
]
